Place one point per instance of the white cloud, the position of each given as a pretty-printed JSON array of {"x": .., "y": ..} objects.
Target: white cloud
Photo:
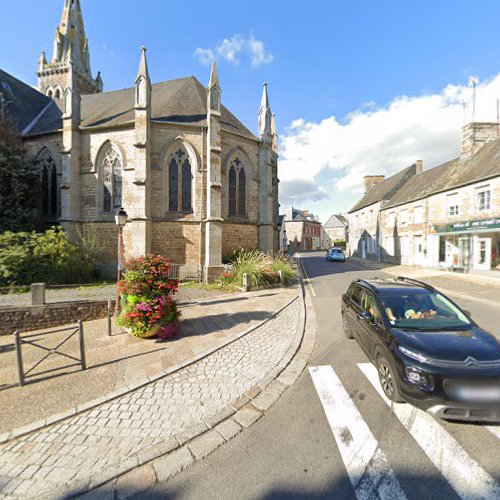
[
  {"x": 376, "y": 140},
  {"x": 235, "y": 48},
  {"x": 204, "y": 56}
]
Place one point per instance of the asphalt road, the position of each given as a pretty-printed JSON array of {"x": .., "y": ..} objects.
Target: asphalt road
[{"x": 322, "y": 436}]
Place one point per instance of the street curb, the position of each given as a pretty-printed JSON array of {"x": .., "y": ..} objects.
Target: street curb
[
  {"x": 172, "y": 456},
  {"x": 137, "y": 384}
]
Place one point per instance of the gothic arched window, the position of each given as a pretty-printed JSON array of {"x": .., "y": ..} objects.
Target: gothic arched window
[
  {"x": 237, "y": 188},
  {"x": 111, "y": 172},
  {"x": 57, "y": 94},
  {"x": 180, "y": 181},
  {"x": 50, "y": 197}
]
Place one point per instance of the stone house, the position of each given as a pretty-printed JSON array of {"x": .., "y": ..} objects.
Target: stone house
[
  {"x": 195, "y": 182},
  {"x": 303, "y": 231},
  {"x": 365, "y": 235},
  {"x": 337, "y": 228},
  {"x": 449, "y": 216}
]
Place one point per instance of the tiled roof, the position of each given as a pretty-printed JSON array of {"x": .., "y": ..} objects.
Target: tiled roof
[
  {"x": 336, "y": 220},
  {"x": 182, "y": 100},
  {"x": 22, "y": 102},
  {"x": 450, "y": 175},
  {"x": 386, "y": 189}
]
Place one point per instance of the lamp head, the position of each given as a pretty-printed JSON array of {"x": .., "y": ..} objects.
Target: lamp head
[{"x": 121, "y": 217}]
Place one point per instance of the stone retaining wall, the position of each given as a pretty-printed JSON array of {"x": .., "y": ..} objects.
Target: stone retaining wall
[{"x": 31, "y": 318}]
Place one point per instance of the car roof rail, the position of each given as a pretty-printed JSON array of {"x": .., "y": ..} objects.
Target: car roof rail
[
  {"x": 416, "y": 282},
  {"x": 368, "y": 284}
]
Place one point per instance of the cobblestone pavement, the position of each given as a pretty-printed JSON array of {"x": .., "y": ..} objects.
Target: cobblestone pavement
[{"x": 35, "y": 464}]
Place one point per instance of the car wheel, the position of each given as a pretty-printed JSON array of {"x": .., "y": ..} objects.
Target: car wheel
[
  {"x": 346, "y": 327},
  {"x": 387, "y": 380}
]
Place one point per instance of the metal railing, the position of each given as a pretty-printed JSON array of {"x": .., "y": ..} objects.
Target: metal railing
[
  {"x": 72, "y": 331},
  {"x": 186, "y": 272}
]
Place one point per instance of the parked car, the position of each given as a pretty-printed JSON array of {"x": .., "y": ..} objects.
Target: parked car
[
  {"x": 427, "y": 350},
  {"x": 335, "y": 254}
]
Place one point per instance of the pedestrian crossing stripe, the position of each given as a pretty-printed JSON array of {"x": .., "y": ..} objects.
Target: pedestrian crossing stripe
[
  {"x": 465, "y": 475},
  {"x": 366, "y": 463},
  {"x": 367, "y": 467}
]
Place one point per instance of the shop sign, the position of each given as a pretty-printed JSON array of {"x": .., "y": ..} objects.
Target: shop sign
[{"x": 468, "y": 226}]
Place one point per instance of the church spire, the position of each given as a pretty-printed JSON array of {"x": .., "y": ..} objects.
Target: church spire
[
  {"x": 143, "y": 66},
  {"x": 69, "y": 39},
  {"x": 143, "y": 84},
  {"x": 214, "y": 92},
  {"x": 265, "y": 115}
]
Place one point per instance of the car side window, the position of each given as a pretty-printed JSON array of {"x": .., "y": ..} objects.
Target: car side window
[
  {"x": 356, "y": 295},
  {"x": 368, "y": 304}
]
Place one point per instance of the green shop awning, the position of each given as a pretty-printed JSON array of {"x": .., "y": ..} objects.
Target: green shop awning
[{"x": 468, "y": 226}]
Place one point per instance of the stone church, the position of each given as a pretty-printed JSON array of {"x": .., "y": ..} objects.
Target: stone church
[{"x": 195, "y": 182}]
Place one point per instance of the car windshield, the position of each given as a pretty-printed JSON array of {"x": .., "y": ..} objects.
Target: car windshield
[
  {"x": 423, "y": 311},
  {"x": 336, "y": 250}
]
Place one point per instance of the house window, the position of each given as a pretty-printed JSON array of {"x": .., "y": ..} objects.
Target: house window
[
  {"x": 483, "y": 199},
  {"x": 404, "y": 217},
  {"x": 237, "y": 180},
  {"x": 418, "y": 214},
  {"x": 180, "y": 182},
  {"x": 452, "y": 204},
  {"x": 48, "y": 172},
  {"x": 111, "y": 169}
]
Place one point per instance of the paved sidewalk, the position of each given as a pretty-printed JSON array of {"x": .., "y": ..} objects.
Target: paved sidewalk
[
  {"x": 185, "y": 294},
  {"x": 120, "y": 361},
  {"x": 40, "y": 463}
]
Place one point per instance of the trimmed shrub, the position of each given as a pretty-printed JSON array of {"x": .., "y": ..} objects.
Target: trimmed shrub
[{"x": 47, "y": 257}]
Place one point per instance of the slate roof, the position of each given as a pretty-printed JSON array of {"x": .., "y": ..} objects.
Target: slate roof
[
  {"x": 450, "y": 175},
  {"x": 182, "y": 100},
  {"x": 386, "y": 189},
  {"x": 336, "y": 220},
  {"x": 23, "y": 103}
]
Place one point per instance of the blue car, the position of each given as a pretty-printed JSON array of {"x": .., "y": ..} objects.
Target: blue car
[{"x": 335, "y": 255}]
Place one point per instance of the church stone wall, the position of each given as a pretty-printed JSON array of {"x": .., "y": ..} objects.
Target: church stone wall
[
  {"x": 178, "y": 241},
  {"x": 236, "y": 236}
]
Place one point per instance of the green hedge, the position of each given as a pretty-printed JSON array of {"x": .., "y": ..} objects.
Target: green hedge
[{"x": 48, "y": 257}]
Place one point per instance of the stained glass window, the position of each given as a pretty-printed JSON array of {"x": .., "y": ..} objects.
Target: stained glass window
[
  {"x": 186, "y": 186},
  {"x": 50, "y": 196},
  {"x": 111, "y": 180},
  {"x": 242, "y": 191},
  {"x": 180, "y": 182},
  {"x": 232, "y": 191},
  {"x": 237, "y": 188}
]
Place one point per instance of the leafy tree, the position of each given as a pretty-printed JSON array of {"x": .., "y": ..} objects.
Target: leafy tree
[{"x": 19, "y": 184}]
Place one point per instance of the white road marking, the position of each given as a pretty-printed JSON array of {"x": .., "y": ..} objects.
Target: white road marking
[
  {"x": 464, "y": 474},
  {"x": 367, "y": 467},
  {"x": 494, "y": 429}
]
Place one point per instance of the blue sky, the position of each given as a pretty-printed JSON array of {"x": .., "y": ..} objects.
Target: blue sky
[{"x": 359, "y": 87}]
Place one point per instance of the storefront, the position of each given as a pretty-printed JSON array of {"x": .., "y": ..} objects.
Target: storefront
[{"x": 469, "y": 245}]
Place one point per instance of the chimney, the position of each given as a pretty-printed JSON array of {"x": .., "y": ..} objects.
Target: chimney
[
  {"x": 419, "y": 167},
  {"x": 475, "y": 135},
  {"x": 372, "y": 180}
]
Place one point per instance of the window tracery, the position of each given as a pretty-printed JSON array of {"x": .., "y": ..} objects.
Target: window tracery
[
  {"x": 237, "y": 188},
  {"x": 50, "y": 195},
  {"x": 180, "y": 181},
  {"x": 111, "y": 168}
]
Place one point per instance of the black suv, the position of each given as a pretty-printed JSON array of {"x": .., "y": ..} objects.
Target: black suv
[{"x": 427, "y": 350}]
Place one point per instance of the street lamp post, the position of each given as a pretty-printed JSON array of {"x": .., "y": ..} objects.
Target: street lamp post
[{"x": 121, "y": 220}]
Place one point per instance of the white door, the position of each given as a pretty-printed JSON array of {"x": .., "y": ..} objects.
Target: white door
[
  {"x": 363, "y": 248},
  {"x": 482, "y": 254},
  {"x": 418, "y": 251}
]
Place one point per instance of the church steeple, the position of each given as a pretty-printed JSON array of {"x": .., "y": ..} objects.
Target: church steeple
[
  {"x": 265, "y": 115},
  {"x": 69, "y": 39}
]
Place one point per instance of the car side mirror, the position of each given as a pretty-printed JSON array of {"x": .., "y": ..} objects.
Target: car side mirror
[{"x": 365, "y": 315}]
